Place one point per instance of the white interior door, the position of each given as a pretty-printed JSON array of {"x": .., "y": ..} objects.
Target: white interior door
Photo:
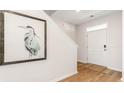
[{"x": 97, "y": 47}]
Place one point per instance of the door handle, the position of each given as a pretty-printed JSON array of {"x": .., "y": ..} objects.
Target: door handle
[{"x": 105, "y": 47}]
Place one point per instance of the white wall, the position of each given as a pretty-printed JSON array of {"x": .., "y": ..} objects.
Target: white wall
[
  {"x": 123, "y": 45},
  {"x": 114, "y": 39},
  {"x": 61, "y": 57},
  {"x": 68, "y": 28}
]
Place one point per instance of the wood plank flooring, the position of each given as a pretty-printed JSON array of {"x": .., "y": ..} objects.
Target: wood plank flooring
[{"x": 94, "y": 73}]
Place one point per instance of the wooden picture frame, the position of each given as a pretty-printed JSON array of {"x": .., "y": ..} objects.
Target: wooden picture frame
[{"x": 35, "y": 39}]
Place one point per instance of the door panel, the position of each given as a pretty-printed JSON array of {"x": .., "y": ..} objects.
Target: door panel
[{"x": 97, "y": 47}]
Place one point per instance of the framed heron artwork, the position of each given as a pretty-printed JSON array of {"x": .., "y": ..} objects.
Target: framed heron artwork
[{"x": 24, "y": 38}]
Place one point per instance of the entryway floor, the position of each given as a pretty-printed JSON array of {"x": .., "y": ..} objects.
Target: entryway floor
[{"x": 94, "y": 73}]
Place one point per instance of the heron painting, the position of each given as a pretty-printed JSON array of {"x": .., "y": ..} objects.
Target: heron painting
[
  {"x": 24, "y": 38},
  {"x": 30, "y": 39}
]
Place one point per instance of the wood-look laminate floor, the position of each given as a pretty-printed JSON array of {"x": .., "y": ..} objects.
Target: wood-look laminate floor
[{"x": 94, "y": 73}]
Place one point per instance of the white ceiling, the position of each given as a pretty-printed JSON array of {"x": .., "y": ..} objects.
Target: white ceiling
[
  {"x": 74, "y": 17},
  {"x": 50, "y": 12}
]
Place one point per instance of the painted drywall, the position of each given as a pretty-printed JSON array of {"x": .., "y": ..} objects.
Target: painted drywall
[
  {"x": 68, "y": 28},
  {"x": 122, "y": 46},
  {"x": 61, "y": 57},
  {"x": 114, "y": 39}
]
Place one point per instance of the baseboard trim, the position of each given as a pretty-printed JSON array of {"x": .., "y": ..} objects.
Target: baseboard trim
[
  {"x": 122, "y": 79},
  {"x": 63, "y": 77},
  {"x": 82, "y": 61},
  {"x": 115, "y": 69}
]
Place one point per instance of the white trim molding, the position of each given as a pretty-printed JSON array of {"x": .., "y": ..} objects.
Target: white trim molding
[
  {"x": 82, "y": 61},
  {"x": 122, "y": 80},
  {"x": 97, "y": 27}
]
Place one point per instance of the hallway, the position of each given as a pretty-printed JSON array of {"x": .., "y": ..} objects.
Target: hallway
[{"x": 94, "y": 73}]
